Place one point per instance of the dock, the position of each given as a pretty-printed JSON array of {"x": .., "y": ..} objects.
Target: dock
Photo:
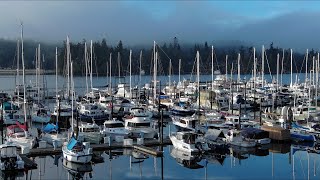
[
  {"x": 28, "y": 163},
  {"x": 148, "y": 150},
  {"x": 145, "y": 148}
]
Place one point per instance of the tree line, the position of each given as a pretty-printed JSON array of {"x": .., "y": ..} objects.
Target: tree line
[{"x": 168, "y": 51}]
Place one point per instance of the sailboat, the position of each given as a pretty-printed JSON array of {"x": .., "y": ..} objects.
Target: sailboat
[
  {"x": 75, "y": 150},
  {"x": 18, "y": 134},
  {"x": 50, "y": 132}
]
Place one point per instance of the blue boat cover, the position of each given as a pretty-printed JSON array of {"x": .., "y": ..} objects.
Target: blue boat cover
[
  {"x": 9, "y": 106},
  {"x": 72, "y": 143},
  {"x": 295, "y": 125},
  {"x": 182, "y": 104},
  {"x": 50, "y": 127},
  {"x": 164, "y": 97}
]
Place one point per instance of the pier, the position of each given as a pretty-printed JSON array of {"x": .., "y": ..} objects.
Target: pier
[{"x": 145, "y": 148}]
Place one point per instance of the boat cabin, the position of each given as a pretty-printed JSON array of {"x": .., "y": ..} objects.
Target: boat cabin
[
  {"x": 187, "y": 137},
  {"x": 89, "y": 127}
]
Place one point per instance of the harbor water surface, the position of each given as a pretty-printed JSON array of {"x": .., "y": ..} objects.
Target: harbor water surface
[{"x": 276, "y": 161}]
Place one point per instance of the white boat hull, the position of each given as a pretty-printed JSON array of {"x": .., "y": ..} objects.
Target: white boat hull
[{"x": 80, "y": 157}]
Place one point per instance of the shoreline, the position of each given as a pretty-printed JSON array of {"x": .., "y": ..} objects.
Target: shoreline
[{"x": 27, "y": 72}]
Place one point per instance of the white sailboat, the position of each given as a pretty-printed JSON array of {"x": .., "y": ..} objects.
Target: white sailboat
[
  {"x": 50, "y": 132},
  {"x": 18, "y": 134},
  {"x": 75, "y": 150}
]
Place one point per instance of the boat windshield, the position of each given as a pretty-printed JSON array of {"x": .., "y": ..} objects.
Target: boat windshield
[
  {"x": 114, "y": 125},
  {"x": 90, "y": 130},
  {"x": 138, "y": 125}
]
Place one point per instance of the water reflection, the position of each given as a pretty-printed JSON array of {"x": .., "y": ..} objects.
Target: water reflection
[
  {"x": 76, "y": 170},
  {"x": 185, "y": 159},
  {"x": 274, "y": 161}
]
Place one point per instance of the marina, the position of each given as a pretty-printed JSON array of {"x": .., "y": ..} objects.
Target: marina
[{"x": 231, "y": 121}]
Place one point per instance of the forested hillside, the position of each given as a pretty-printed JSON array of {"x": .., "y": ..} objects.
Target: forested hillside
[{"x": 166, "y": 51}]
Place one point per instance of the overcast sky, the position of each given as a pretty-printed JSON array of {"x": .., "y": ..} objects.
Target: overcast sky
[{"x": 292, "y": 24}]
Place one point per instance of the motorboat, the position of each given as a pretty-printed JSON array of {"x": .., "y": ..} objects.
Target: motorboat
[
  {"x": 189, "y": 142},
  {"x": 90, "y": 132},
  {"x": 114, "y": 128},
  {"x": 10, "y": 159}
]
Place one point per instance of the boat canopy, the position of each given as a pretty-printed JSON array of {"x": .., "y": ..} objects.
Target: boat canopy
[
  {"x": 17, "y": 125},
  {"x": 10, "y": 106},
  {"x": 72, "y": 143},
  {"x": 164, "y": 97},
  {"x": 295, "y": 125},
  {"x": 50, "y": 128}
]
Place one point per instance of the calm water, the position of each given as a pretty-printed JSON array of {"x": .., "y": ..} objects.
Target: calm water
[
  {"x": 275, "y": 162},
  {"x": 247, "y": 164},
  {"x": 8, "y": 81}
]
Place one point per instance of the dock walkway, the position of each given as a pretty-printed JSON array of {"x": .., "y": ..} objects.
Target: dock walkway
[{"x": 103, "y": 147}]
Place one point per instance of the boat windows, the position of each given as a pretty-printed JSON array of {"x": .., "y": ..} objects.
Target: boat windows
[
  {"x": 131, "y": 124},
  {"x": 8, "y": 151},
  {"x": 183, "y": 121},
  {"x": 90, "y": 130},
  {"x": 114, "y": 125}
]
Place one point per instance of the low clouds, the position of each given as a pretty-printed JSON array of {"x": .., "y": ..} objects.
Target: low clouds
[{"x": 143, "y": 22}]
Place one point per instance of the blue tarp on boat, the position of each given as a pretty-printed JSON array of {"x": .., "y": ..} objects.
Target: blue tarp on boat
[
  {"x": 72, "y": 143},
  {"x": 164, "y": 97},
  {"x": 50, "y": 127},
  {"x": 295, "y": 125},
  {"x": 10, "y": 106}
]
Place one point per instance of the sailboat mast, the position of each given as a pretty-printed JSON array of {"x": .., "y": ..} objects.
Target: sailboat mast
[
  {"x": 110, "y": 73},
  {"x": 282, "y": 59},
  {"x": 179, "y": 69},
  {"x": 91, "y": 65},
  {"x": 306, "y": 76},
  {"x": 226, "y": 67},
  {"x": 155, "y": 54},
  {"x": 198, "y": 70},
  {"x": 198, "y": 78},
  {"x": 170, "y": 67},
  {"x": 238, "y": 80},
  {"x": 278, "y": 58},
  {"x": 86, "y": 62},
  {"x": 72, "y": 91},
  {"x": 23, "y": 78},
  {"x": 68, "y": 67},
  {"x": 140, "y": 59},
  {"x": 36, "y": 67},
  {"x": 38, "y": 72},
  {"x": 313, "y": 59},
  {"x": 56, "y": 73},
  {"x": 262, "y": 66},
  {"x": 119, "y": 65},
  {"x": 57, "y": 99},
  {"x": 317, "y": 76},
  {"x": 155, "y": 77},
  {"x": 254, "y": 68},
  {"x": 212, "y": 68},
  {"x": 18, "y": 59},
  {"x": 130, "y": 71},
  {"x": 291, "y": 67}
]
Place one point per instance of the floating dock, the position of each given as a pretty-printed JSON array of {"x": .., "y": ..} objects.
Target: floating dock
[
  {"x": 28, "y": 163},
  {"x": 148, "y": 150},
  {"x": 145, "y": 148}
]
